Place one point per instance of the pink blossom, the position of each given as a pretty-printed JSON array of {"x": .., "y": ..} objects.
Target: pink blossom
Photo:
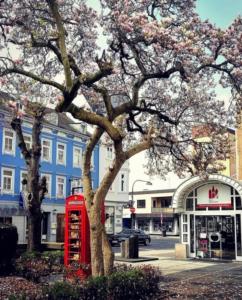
[
  {"x": 59, "y": 98},
  {"x": 18, "y": 61}
]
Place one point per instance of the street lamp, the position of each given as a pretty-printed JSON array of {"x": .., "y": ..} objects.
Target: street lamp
[{"x": 132, "y": 201}]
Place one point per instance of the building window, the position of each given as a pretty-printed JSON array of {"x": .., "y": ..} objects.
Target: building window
[
  {"x": 28, "y": 140},
  {"x": 141, "y": 203},
  {"x": 9, "y": 142},
  {"x": 77, "y": 157},
  {"x": 109, "y": 152},
  {"x": 122, "y": 182},
  {"x": 60, "y": 186},
  {"x": 46, "y": 150},
  {"x": 48, "y": 183},
  {"x": 23, "y": 175},
  {"x": 76, "y": 184},
  {"x": 8, "y": 180},
  {"x": 92, "y": 161},
  {"x": 61, "y": 153}
]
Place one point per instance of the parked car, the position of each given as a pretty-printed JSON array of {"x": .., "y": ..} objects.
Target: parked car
[
  {"x": 126, "y": 233},
  {"x": 113, "y": 240}
]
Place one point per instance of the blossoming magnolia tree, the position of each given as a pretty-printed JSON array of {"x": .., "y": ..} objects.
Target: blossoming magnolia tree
[{"x": 146, "y": 91}]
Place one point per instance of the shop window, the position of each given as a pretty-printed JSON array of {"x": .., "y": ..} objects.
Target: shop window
[
  {"x": 199, "y": 208},
  {"x": 189, "y": 204},
  {"x": 232, "y": 205},
  {"x": 184, "y": 229},
  {"x": 192, "y": 227},
  {"x": 184, "y": 218},
  {"x": 157, "y": 225},
  {"x": 190, "y": 195},
  {"x": 143, "y": 224},
  {"x": 140, "y": 203},
  {"x": 238, "y": 234},
  {"x": 238, "y": 202},
  {"x": 6, "y": 220}
]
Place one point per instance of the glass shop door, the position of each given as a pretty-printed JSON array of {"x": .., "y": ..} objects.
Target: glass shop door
[{"x": 215, "y": 238}]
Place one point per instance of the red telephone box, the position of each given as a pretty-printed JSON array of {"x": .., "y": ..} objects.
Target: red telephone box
[{"x": 77, "y": 234}]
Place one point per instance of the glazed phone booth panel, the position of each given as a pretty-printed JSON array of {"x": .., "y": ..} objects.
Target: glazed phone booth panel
[{"x": 77, "y": 235}]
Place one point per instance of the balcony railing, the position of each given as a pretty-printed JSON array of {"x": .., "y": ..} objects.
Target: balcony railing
[{"x": 165, "y": 210}]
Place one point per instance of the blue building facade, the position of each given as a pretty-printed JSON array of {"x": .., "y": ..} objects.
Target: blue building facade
[{"x": 61, "y": 162}]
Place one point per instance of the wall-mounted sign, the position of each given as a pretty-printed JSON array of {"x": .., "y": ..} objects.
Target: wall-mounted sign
[{"x": 214, "y": 195}]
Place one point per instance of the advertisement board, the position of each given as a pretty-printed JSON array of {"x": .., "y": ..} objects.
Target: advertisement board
[{"x": 214, "y": 195}]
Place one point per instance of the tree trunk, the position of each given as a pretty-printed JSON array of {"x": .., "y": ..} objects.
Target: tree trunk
[
  {"x": 34, "y": 210},
  {"x": 108, "y": 255},
  {"x": 34, "y": 231},
  {"x": 96, "y": 229}
]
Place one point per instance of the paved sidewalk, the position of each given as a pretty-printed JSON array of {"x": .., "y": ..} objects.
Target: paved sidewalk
[{"x": 196, "y": 279}]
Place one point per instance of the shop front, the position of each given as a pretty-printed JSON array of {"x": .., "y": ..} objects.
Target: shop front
[{"x": 210, "y": 213}]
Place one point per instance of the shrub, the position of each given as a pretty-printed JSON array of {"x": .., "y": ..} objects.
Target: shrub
[
  {"x": 8, "y": 246},
  {"x": 54, "y": 257},
  {"x": 34, "y": 265},
  {"x": 95, "y": 288},
  {"x": 126, "y": 282},
  {"x": 126, "y": 285},
  {"x": 62, "y": 291}
]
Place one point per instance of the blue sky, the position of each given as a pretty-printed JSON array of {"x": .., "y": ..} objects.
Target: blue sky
[{"x": 220, "y": 12}]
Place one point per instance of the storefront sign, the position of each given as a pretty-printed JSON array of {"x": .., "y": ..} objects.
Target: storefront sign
[{"x": 214, "y": 195}]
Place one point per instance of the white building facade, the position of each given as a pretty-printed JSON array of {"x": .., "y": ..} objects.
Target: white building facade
[
  {"x": 153, "y": 211},
  {"x": 118, "y": 194}
]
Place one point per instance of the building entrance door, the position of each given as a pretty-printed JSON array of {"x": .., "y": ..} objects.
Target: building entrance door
[
  {"x": 60, "y": 228},
  {"x": 215, "y": 237}
]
